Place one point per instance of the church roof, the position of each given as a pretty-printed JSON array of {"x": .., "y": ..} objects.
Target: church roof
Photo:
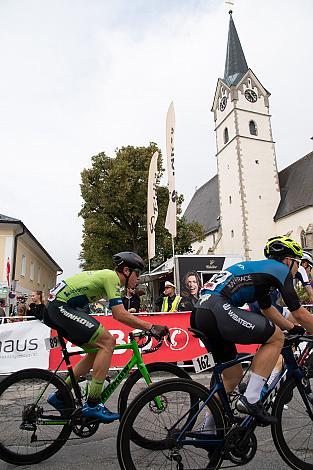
[
  {"x": 235, "y": 64},
  {"x": 296, "y": 186},
  {"x": 204, "y": 206}
]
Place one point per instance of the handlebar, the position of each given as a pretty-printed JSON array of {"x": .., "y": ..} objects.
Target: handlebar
[
  {"x": 146, "y": 334},
  {"x": 296, "y": 339}
]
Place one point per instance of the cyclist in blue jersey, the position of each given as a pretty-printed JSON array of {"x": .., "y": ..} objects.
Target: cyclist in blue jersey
[
  {"x": 217, "y": 314},
  {"x": 68, "y": 312}
]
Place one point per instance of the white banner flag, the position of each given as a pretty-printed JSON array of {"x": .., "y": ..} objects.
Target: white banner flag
[
  {"x": 152, "y": 204},
  {"x": 22, "y": 346},
  {"x": 170, "y": 222}
]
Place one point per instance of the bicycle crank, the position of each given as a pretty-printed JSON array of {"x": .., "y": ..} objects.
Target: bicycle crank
[{"x": 240, "y": 446}]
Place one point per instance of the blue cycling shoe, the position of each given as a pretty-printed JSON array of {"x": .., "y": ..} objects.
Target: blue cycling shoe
[
  {"x": 99, "y": 412},
  {"x": 54, "y": 401}
]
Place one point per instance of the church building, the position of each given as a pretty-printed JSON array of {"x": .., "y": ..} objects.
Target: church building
[{"x": 249, "y": 200}]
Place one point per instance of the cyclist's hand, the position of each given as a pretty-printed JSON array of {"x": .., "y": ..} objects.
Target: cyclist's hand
[
  {"x": 297, "y": 330},
  {"x": 158, "y": 331}
]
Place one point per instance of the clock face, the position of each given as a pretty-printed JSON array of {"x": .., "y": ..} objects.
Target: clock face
[
  {"x": 223, "y": 103},
  {"x": 251, "y": 96}
]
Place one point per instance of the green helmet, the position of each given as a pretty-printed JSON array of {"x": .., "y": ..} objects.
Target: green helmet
[{"x": 281, "y": 246}]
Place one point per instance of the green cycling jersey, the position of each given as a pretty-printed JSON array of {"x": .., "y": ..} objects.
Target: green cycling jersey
[{"x": 89, "y": 286}]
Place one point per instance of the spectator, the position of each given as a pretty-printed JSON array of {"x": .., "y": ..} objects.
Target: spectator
[
  {"x": 303, "y": 273},
  {"x": 190, "y": 295},
  {"x": 2, "y": 309},
  {"x": 20, "y": 313},
  {"x": 170, "y": 300},
  {"x": 131, "y": 301},
  {"x": 37, "y": 306}
]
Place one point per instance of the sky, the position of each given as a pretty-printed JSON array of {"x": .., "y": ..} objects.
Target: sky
[{"x": 80, "y": 77}]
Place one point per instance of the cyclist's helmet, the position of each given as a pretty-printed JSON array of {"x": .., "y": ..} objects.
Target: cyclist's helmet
[
  {"x": 307, "y": 257},
  {"x": 279, "y": 247},
  {"x": 129, "y": 259}
]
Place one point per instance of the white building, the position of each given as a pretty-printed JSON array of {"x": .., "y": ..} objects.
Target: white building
[{"x": 248, "y": 200}]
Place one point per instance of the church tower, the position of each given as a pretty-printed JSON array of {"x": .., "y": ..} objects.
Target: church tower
[{"x": 246, "y": 161}]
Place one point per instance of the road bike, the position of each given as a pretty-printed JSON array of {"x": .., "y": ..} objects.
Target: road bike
[
  {"x": 179, "y": 440},
  {"x": 32, "y": 430}
]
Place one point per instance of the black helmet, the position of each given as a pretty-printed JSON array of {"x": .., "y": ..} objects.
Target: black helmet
[
  {"x": 129, "y": 259},
  {"x": 281, "y": 246}
]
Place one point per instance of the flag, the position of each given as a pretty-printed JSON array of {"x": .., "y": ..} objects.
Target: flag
[
  {"x": 170, "y": 222},
  {"x": 152, "y": 204},
  {"x": 8, "y": 271}
]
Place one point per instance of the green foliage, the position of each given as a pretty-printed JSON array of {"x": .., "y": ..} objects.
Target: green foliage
[
  {"x": 114, "y": 191},
  {"x": 303, "y": 295}
]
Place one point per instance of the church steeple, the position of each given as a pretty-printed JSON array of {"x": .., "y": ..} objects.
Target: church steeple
[{"x": 235, "y": 64}]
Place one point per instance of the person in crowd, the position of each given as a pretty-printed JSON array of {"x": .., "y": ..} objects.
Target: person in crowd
[
  {"x": 65, "y": 312},
  {"x": 2, "y": 309},
  {"x": 218, "y": 315},
  {"x": 190, "y": 295},
  {"x": 169, "y": 301},
  {"x": 37, "y": 306},
  {"x": 131, "y": 300},
  {"x": 304, "y": 273},
  {"x": 21, "y": 312}
]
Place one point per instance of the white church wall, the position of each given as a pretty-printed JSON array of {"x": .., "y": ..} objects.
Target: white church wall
[{"x": 294, "y": 223}]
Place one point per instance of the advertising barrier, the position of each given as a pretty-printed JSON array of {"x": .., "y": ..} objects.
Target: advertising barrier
[{"x": 22, "y": 344}]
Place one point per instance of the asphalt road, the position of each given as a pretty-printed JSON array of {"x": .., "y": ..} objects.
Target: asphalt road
[{"x": 99, "y": 451}]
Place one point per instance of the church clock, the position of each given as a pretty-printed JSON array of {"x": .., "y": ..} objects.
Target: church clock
[{"x": 251, "y": 96}]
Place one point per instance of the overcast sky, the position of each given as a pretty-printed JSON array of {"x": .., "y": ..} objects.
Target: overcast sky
[{"x": 79, "y": 77}]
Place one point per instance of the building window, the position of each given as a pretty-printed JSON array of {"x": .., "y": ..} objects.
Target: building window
[
  {"x": 253, "y": 129},
  {"x": 229, "y": 199},
  {"x": 303, "y": 239},
  {"x": 23, "y": 265},
  {"x": 38, "y": 275},
  {"x": 226, "y": 137},
  {"x": 232, "y": 234},
  {"x": 31, "y": 271}
]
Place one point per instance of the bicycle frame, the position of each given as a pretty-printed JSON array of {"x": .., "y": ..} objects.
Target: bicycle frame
[
  {"x": 291, "y": 369},
  {"x": 135, "y": 360}
]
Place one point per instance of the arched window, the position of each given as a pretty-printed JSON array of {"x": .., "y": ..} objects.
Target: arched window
[
  {"x": 253, "y": 129},
  {"x": 226, "y": 137}
]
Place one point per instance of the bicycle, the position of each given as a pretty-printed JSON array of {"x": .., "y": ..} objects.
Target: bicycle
[
  {"x": 32, "y": 430},
  {"x": 178, "y": 440}
]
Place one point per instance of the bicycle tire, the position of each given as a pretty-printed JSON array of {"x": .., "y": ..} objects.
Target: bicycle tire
[
  {"x": 290, "y": 433},
  {"x": 18, "y": 391},
  {"x": 135, "y": 383},
  {"x": 132, "y": 456}
]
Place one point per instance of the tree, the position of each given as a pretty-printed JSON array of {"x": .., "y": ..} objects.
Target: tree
[{"x": 114, "y": 191}]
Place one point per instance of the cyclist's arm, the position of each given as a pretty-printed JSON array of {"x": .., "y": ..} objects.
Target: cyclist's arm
[
  {"x": 303, "y": 316},
  {"x": 273, "y": 314},
  {"x": 122, "y": 315}
]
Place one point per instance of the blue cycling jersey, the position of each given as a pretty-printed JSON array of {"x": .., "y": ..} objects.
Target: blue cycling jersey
[{"x": 251, "y": 281}]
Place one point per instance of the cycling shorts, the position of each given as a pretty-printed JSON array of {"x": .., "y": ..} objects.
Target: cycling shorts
[
  {"x": 224, "y": 325},
  {"x": 74, "y": 324}
]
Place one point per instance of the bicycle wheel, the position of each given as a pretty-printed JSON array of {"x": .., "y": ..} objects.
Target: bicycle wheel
[
  {"x": 293, "y": 434},
  {"x": 162, "y": 428},
  {"x": 26, "y": 437},
  {"x": 135, "y": 383}
]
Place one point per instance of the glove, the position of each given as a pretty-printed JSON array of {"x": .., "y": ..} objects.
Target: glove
[
  {"x": 297, "y": 330},
  {"x": 158, "y": 331}
]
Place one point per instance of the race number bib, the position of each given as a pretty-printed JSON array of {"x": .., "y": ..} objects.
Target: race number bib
[
  {"x": 56, "y": 290},
  {"x": 216, "y": 280}
]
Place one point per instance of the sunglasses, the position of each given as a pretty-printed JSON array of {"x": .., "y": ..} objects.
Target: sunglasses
[
  {"x": 296, "y": 260},
  {"x": 137, "y": 272}
]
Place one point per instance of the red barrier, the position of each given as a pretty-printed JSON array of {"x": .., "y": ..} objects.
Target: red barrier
[{"x": 183, "y": 348}]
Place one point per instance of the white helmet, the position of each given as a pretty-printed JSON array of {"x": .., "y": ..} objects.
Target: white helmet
[{"x": 307, "y": 257}]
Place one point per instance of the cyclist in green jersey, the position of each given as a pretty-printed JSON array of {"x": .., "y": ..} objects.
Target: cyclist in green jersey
[{"x": 68, "y": 312}]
